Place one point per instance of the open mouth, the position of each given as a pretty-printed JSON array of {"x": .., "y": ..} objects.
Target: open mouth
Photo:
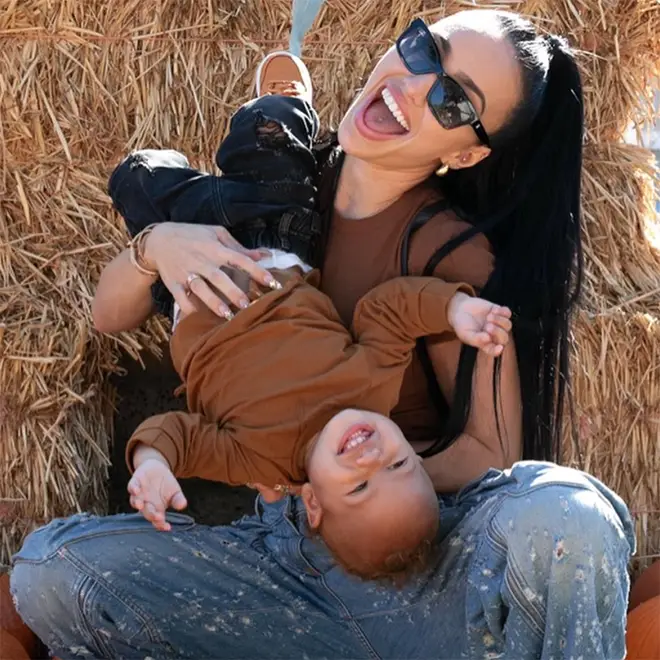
[
  {"x": 354, "y": 437},
  {"x": 384, "y": 116}
]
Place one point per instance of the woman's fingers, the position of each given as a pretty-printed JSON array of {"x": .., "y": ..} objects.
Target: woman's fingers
[
  {"x": 227, "y": 257},
  {"x": 225, "y": 237},
  {"x": 220, "y": 281},
  {"x": 181, "y": 251},
  {"x": 181, "y": 297},
  {"x": 229, "y": 289}
]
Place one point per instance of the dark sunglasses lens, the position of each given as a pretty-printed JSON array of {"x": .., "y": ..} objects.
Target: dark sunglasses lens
[
  {"x": 449, "y": 104},
  {"x": 417, "y": 50}
]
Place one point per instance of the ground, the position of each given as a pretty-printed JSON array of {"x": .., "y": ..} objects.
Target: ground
[{"x": 148, "y": 391}]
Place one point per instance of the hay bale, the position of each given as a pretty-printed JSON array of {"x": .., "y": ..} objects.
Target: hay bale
[
  {"x": 83, "y": 83},
  {"x": 621, "y": 228},
  {"x": 617, "y": 396}
]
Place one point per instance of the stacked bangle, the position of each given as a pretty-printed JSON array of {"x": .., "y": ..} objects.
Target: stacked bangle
[{"x": 136, "y": 248}]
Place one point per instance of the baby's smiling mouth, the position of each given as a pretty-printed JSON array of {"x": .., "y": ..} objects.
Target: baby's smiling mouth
[{"x": 354, "y": 438}]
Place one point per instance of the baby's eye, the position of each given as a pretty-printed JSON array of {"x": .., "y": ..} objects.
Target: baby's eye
[
  {"x": 359, "y": 488},
  {"x": 398, "y": 464}
]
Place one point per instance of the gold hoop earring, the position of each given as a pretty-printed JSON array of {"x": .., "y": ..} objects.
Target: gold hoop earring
[{"x": 441, "y": 171}]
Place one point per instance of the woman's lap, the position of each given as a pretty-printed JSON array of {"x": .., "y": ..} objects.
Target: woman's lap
[{"x": 533, "y": 565}]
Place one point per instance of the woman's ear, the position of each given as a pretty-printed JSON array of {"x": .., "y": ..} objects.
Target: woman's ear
[
  {"x": 312, "y": 506},
  {"x": 467, "y": 158}
]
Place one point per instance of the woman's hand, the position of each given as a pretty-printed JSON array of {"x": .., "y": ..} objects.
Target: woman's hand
[{"x": 189, "y": 259}]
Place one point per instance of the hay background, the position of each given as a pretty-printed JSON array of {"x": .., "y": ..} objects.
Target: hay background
[{"x": 83, "y": 83}]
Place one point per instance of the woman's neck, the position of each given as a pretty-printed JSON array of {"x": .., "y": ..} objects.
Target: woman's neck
[{"x": 365, "y": 189}]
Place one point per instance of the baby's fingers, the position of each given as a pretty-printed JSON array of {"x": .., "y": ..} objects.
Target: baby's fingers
[
  {"x": 134, "y": 486},
  {"x": 179, "y": 501},
  {"x": 478, "y": 339},
  {"x": 493, "y": 350},
  {"x": 156, "y": 516},
  {"x": 499, "y": 310},
  {"x": 500, "y": 316},
  {"x": 498, "y": 335}
]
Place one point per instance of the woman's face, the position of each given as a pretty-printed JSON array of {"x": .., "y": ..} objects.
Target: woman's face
[{"x": 478, "y": 57}]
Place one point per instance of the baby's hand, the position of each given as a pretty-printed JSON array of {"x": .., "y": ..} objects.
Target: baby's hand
[
  {"x": 153, "y": 489},
  {"x": 480, "y": 323}
]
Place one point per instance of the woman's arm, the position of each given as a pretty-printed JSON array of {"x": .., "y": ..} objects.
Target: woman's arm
[
  {"x": 480, "y": 446},
  {"x": 123, "y": 297}
]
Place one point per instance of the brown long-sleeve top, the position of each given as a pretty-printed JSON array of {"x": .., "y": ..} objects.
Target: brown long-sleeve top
[
  {"x": 360, "y": 254},
  {"x": 262, "y": 385}
]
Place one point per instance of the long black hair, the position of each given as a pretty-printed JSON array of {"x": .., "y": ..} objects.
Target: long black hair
[{"x": 525, "y": 197}]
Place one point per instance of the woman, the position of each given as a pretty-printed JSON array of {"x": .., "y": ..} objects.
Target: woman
[{"x": 533, "y": 558}]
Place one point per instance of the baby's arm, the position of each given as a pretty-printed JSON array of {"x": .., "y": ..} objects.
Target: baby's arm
[
  {"x": 391, "y": 317},
  {"x": 195, "y": 447}
]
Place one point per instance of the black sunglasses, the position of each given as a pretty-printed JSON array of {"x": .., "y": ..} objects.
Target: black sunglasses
[{"x": 447, "y": 99}]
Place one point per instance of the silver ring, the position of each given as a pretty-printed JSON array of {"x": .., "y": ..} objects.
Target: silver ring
[{"x": 189, "y": 280}]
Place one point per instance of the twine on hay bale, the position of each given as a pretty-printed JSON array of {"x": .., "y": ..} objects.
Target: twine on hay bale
[{"x": 83, "y": 83}]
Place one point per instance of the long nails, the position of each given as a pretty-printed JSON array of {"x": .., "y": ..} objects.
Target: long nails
[{"x": 226, "y": 313}]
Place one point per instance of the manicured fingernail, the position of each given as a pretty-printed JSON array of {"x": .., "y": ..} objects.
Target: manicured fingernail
[
  {"x": 226, "y": 313},
  {"x": 275, "y": 285},
  {"x": 244, "y": 304}
]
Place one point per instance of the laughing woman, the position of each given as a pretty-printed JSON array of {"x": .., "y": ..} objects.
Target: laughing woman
[{"x": 460, "y": 158}]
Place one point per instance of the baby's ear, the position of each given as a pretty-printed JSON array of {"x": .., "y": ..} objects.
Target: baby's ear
[{"x": 312, "y": 506}]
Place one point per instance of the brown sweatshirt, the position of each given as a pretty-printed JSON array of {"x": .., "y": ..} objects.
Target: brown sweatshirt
[{"x": 260, "y": 386}]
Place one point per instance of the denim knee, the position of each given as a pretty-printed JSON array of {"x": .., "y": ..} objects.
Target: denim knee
[
  {"x": 562, "y": 517},
  {"x": 44, "y": 586},
  {"x": 559, "y": 545}
]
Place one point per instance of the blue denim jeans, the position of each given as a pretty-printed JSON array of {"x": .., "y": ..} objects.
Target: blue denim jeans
[{"x": 533, "y": 565}]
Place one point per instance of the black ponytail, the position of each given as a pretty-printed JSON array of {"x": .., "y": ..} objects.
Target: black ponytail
[{"x": 525, "y": 197}]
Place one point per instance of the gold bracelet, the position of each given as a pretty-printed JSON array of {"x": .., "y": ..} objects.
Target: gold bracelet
[{"x": 136, "y": 247}]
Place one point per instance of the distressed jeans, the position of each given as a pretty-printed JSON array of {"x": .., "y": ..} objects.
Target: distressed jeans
[
  {"x": 533, "y": 565},
  {"x": 266, "y": 195}
]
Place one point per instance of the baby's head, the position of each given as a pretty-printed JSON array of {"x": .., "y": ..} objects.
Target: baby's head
[{"x": 369, "y": 497}]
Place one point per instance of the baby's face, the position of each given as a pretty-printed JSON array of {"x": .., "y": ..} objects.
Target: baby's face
[{"x": 361, "y": 463}]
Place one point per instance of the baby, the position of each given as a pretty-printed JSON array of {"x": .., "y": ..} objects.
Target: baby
[{"x": 285, "y": 396}]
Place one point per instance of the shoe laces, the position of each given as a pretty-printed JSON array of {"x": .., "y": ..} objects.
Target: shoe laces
[{"x": 285, "y": 87}]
